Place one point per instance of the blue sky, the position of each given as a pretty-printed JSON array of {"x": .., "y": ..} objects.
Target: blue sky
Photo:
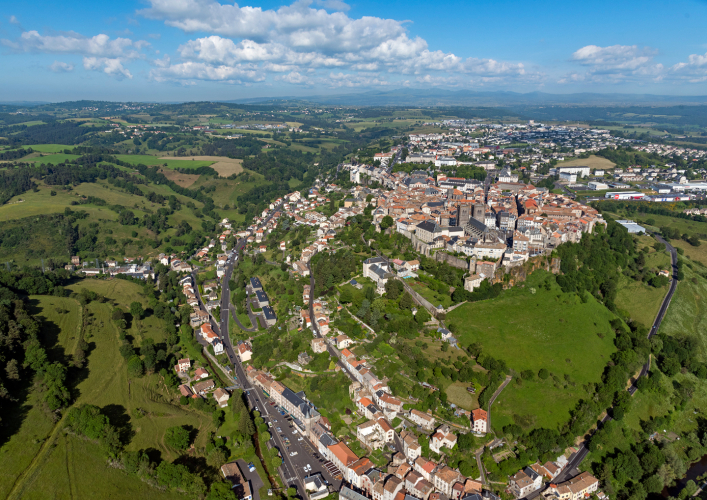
[{"x": 165, "y": 50}]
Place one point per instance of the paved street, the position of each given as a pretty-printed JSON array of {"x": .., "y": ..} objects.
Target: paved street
[
  {"x": 255, "y": 481},
  {"x": 292, "y": 469},
  {"x": 576, "y": 459}
]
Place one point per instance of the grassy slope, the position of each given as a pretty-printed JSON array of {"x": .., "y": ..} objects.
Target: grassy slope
[
  {"x": 42, "y": 203},
  {"x": 154, "y": 160},
  {"x": 685, "y": 317},
  {"x": 698, "y": 254},
  {"x": 543, "y": 330},
  {"x": 74, "y": 469},
  {"x": 683, "y": 225},
  {"x": 17, "y": 453},
  {"x": 104, "y": 383},
  {"x": 639, "y": 300}
]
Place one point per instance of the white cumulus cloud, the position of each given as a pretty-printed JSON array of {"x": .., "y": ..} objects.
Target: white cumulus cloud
[
  {"x": 113, "y": 67},
  {"x": 615, "y": 63},
  {"x": 299, "y": 39},
  {"x": 61, "y": 67}
]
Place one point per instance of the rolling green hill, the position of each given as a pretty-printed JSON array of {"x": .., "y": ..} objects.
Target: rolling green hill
[{"x": 531, "y": 328}]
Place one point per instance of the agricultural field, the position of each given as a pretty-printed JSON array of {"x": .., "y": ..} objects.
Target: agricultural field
[
  {"x": 592, "y": 162},
  {"x": 149, "y": 161},
  {"x": 533, "y": 328},
  {"x": 222, "y": 164}
]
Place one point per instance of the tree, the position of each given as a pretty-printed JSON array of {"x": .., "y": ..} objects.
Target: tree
[
  {"x": 221, "y": 491},
  {"x": 406, "y": 301},
  {"x": 136, "y": 310},
  {"x": 387, "y": 222},
  {"x": 12, "y": 370},
  {"x": 135, "y": 367},
  {"x": 177, "y": 437},
  {"x": 245, "y": 424},
  {"x": 217, "y": 457},
  {"x": 422, "y": 316},
  {"x": 543, "y": 373},
  {"x": 346, "y": 296},
  {"x": 393, "y": 289}
]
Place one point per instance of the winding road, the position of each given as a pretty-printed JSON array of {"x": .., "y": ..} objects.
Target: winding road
[{"x": 576, "y": 459}]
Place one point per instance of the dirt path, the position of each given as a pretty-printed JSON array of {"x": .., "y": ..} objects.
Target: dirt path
[
  {"x": 224, "y": 166},
  {"x": 18, "y": 488}
]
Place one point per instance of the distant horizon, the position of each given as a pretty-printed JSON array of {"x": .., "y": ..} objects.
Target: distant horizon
[{"x": 402, "y": 91}]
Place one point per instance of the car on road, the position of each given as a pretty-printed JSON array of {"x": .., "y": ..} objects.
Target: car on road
[
  {"x": 300, "y": 438},
  {"x": 294, "y": 453},
  {"x": 279, "y": 429},
  {"x": 269, "y": 424}
]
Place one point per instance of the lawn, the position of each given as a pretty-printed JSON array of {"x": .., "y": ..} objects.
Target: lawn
[
  {"x": 530, "y": 331},
  {"x": 639, "y": 300},
  {"x": 592, "y": 162},
  {"x": 457, "y": 394}
]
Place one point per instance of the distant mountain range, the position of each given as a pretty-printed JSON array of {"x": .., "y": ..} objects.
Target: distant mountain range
[{"x": 436, "y": 97}]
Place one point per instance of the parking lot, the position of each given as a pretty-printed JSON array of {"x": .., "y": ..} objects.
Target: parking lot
[{"x": 305, "y": 459}]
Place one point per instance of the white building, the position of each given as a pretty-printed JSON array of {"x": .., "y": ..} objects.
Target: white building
[{"x": 580, "y": 171}]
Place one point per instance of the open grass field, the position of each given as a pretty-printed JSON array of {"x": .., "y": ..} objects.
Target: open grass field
[
  {"x": 224, "y": 165},
  {"x": 698, "y": 254},
  {"x": 154, "y": 160},
  {"x": 31, "y": 204},
  {"x": 48, "y": 158},
  {"x": 683, "y": 225},
  {"x": 548, "y": 329},
  {"x": 687, "y": 314},
  {"x": 592, "y": 162},
  {"x": 66, "y": 465},
  {"x": 49, "y": 148},
  {"x": 33, "y": 426},
  {"x": 41, "y": 202},
  {"x": 227, "y": 191},
  {"x": 73, "y": 468},
  {"x": 639, "y": 300}
]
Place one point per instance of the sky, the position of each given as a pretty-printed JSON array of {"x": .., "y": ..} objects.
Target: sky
[{"x": 194, "y": 50}]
